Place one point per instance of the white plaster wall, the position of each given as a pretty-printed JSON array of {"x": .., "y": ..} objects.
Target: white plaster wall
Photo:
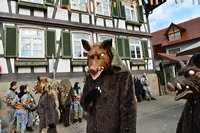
[
  {"x": 49, "y": 12},
  {"x": 4, "y": 24},
  {"x": 150, "y": 54},
  {"x": 115, "y": 22},
  {"x": 63, "y": 65},
  {"x": 136, "y": 28},
  {"x": 3, "y": 64},
  {"x": 12, "y": 62},
  {"x": 77, "y": 69},
  {"x": 51, "y": 65},
  {"x": 142, "y": 28},
  {"x": 92, "y": 16},
  {"x": 75, "y": 17},
  {"x": 129, "y": 27},
  {"x": 61, "y": 14},
  {"x": 85, "y": 18},
  {"x": 39, "y": 69},
  {"x": 99, "y": 21},
  {"x": 109, "y": 23},
  {"x": 13, "y": 6},
  {"x": 24, "y": 11},
  {"x": 1, "y": 47},
  {"x": 4, "y": 6},
  {"x": 24, "y": 70},
  {"x": 94, "y": 38},
  {"x": 91, "y": 7},
  {"x": 122, "y": 24},
  {"x": 145, "y": 18},
  {"x": 150, "y": 64},
  {"x": 38, "y": 13}
]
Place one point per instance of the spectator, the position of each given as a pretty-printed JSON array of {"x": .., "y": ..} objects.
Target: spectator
[
  {"x": 138, "y": 88},
  {"x": 8, "y": 98},
  {"x": 32, "y": 104},
  {"x": 78, "y": 111},
  {"x": 145, "y": 83},
  {"x": 22, "y": 106}
]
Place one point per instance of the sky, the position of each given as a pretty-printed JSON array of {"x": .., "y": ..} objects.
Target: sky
[{"x": 170, "y": 12}]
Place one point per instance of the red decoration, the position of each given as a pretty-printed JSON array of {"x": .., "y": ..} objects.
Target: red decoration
[{"x": 1, "y": 69}]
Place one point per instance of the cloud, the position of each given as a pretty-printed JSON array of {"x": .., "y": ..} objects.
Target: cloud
[{"x": 170, "y": 12}]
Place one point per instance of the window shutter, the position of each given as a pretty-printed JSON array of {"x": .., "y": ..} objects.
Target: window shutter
[
  {"x": 140, "y": 14},
  {"x": 65, "y": 3},
  {"x": 11, "y": 41},
  {"x": 49, "y": 2},
  {"x": 115, "y": 8},
  {"x": 119, "y": 42},
  {"x": 50, "y": 43},
  {"x": 66, "y": 44},
  {"x": 127, "y": 48},
  {"x": 145, "y": 50},
  {"x": 122, "y": 11}
]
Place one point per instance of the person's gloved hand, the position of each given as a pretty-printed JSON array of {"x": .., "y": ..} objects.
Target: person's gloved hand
[
  {"x": 52, "y": 125},
  {"x": 92, "y": 96}
]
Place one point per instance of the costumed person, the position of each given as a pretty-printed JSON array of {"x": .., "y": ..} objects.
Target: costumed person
[
  {"x": 108, "y": 94},
  {"x": 65, "y": 97},
  {"x": 48, "y": 104},
  {"x": 8, "y": 98},
  {"x": 145, "y": 83},
  {"x": 138, "y": 88},
  {"x": 78, "y": 111},
  {"x": 32, "y": 104},
  {"x": 22, "y": 106},
  {"x": 187, "y": 87}
]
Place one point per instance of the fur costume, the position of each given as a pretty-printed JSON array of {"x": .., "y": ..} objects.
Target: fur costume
[
  {"x": 187, "y": 86},
  {"x": 108, "y": 99},
  {"x": 48, "y": 105}
]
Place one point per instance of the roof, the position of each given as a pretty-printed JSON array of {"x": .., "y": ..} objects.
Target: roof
[
  {"x": 173, "y": 57},
  {"x": 195, "y": 48},
  {"x": 192, "y": 31}
]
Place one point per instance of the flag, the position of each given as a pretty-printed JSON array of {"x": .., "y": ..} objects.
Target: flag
[
  {"x": 156, "y": 2},
  {"x": 114, "y": 4},
  {"x": 151, "y": 2},
  {"x": 68, "y": 8},
  {"x": 134, "y": 3},
  {"x": 176, "y": 1},
  {"x": 182, "y": 0},
  {"x": 98, "y": 3}
]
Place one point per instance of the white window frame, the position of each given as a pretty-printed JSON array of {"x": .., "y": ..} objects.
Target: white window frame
[
  {"x": 108, "y": 36},
  {"x": 79, "y": 6},
  {"x": 20, "y": 45},
  {"x": 126, "y": 6},
  {"x": 82, "y": 49},
  {"x": 33, "y": 1},
  {"x": 135, "y": 45},
  {"x": 102, "y": 8}
]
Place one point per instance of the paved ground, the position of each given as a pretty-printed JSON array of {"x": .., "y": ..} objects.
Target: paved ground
[{"x": 158, "y": 116}]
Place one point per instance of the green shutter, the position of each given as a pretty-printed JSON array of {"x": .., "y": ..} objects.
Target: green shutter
[
  {"x": 140, "y": 13},
  {"x": 122, "y": 11},
  {"x": 66, "y": 44},
  {"x": 127, "y": 48},
  {"x": 49, "y": 2},
  {"x": 65, "y": 3},
  {"x": 50, "y": 43},
  {"x": 145, "y": 50},
  {"x": 11, "y": 41},
  {"x": 115, "y": 9},
  {"x": 119, "y": 42}
]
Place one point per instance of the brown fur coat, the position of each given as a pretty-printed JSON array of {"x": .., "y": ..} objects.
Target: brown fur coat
[{"x": 115, "y": 110}]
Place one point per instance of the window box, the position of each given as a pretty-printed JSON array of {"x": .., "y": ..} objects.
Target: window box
[
  {"x": 31, "y": 63},
  {"x": 133, "y": 23},
  {"x": 32, "y": 5},
  {"x": 138, "y": 63},
  {"x": 79, "y": 63}
]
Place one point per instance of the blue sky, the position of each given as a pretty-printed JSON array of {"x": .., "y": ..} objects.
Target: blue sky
[{"x": 170, "y": 12}]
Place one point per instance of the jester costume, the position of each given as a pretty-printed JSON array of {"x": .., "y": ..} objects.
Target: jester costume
[{"x": 78, "y": 111}]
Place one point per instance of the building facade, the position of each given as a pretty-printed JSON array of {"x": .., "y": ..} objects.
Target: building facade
[{"x": 43, "y": 37}]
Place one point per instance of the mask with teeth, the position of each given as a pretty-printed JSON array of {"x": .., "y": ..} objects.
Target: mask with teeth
[{"x": 187, "y": 84}]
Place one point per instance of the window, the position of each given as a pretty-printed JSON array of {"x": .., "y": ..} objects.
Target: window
[
  {"x": 78, "y": 50},
  {"x": 34, "y": 1},
  {"x": 81, "y": 5},
  {"x": 174, "y": 51},
  {"x": 31, "y": 43},
  {"x": 130, "y": 12},
  {"x": 102, "y": 38},
  {"x": 103, "y": 7},
  {"x": 135, "y": 48},
  {"x": 174, "y": 34}
]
